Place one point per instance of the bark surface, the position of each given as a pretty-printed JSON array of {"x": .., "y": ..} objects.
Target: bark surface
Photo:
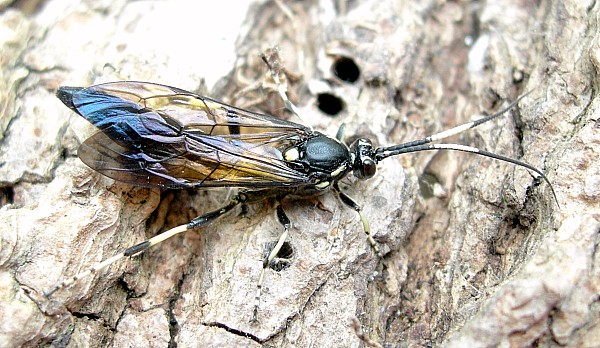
[{"x": 478, "y": 252}]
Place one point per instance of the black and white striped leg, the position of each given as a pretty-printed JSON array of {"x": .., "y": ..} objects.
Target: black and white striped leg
[
  {"x": 137, "y": 249},
  {"x": 363, "y": 219},
  {"x": 276, "y": 68},
  {"x": 285, "y": 221}
]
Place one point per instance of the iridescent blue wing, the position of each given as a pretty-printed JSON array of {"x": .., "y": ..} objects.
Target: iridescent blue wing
[{"x": 158, "y": 136}]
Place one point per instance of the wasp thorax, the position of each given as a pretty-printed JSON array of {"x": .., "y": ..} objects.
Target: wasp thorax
[
  {"x": 319, "y": 155},
  {"x": 364, "y": 166}
]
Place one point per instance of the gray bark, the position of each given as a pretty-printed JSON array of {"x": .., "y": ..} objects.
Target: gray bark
[{"x": 486, "y": 258}]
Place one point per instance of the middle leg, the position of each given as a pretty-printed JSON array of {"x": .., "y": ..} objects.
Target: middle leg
[{"x": 285, "y": 222}]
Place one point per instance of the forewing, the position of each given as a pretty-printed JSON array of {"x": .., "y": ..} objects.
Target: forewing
[{"x": 159, "y": 136}]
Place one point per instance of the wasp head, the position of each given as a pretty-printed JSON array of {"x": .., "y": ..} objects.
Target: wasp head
[{"x": 365, "y": 164}]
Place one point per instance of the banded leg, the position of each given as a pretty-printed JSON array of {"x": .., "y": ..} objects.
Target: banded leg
[
  {"x": 285, "y": 221},
  {"x": 276, "y": 68},
  {"x": 363, "y": 219},
  {"x": 137, "y": 249}
]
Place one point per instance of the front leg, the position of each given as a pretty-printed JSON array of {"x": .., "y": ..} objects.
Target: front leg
[{"x": 363, "y": 219}]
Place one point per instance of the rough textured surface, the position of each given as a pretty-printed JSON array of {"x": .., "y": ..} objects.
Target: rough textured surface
[{"x": 486, "y": 258}]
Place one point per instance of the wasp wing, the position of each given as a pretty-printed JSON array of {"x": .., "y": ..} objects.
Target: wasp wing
[{"x": 159, "y": 136}]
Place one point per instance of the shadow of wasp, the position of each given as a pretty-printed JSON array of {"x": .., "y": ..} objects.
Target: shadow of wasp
[{"x": 164, "y": 137}]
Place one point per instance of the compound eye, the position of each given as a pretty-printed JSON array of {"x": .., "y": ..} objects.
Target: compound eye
[{"x": 368, "y": 168}]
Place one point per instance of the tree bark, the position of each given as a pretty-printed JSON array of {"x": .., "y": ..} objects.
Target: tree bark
[{"x": 477, "y": 252}]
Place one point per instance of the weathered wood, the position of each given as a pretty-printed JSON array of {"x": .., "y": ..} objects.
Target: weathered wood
[{"x": 489, "y": 260}]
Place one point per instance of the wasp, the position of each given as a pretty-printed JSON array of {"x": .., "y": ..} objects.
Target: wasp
[{"x": 164, "y": 137}]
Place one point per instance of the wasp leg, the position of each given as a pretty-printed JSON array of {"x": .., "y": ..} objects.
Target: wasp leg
[
  {"x": 137, "y": 249},
  {"x": 285, "y": 221},
  {"x": 363, "y": 219},
  {"x": 276, "y": 69},
  {"x": 340, "y": 133}
]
